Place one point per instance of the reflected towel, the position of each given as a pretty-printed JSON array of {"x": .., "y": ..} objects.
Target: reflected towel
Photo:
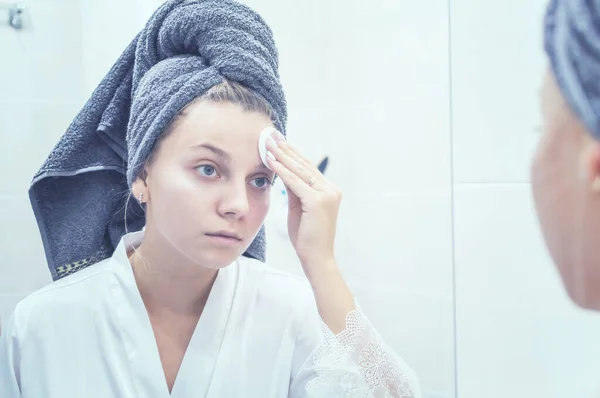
[{"x": 572, "y": 42}]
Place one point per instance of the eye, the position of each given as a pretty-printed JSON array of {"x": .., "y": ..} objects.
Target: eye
[
  {"x": 261, "y": 182},
  {"x": 207, "y": 170}
]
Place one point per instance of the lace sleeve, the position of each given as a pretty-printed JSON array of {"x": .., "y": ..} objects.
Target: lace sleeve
[{"x": 357, "y": 363}]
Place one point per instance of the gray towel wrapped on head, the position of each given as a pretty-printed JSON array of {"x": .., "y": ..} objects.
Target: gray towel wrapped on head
[
  {"x": 572, "y": 42},
  {"x": 80, "y": 195}
]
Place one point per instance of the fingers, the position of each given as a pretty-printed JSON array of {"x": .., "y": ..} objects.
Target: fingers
[
  {"x": 291, "y": 151},
  {"x": 294, "y": 164},
  {"x": 291, "y": 179},
  {"x": 299, "y": 175}
]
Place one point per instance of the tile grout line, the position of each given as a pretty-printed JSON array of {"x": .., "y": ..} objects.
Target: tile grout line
[{"x": 452, "y": 204}]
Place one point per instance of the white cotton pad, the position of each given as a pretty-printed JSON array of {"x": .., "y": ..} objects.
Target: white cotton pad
[{"x": 262, "y": 143}]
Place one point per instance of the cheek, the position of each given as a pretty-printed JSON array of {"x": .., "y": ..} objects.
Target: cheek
[
  {"x": 259, "y": 205},
  {"x": 554, "y": 170},
  {"x": 178, "y": 202},
  {"x": 553, "y": 190},
  {"x": 541, "y": 168},
  {"x": 565, "y": 207}
]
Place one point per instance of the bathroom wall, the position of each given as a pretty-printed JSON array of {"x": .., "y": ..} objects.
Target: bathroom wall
[
  {"x": 108, "y": 27},
  {"x": 41, "y": 89}
]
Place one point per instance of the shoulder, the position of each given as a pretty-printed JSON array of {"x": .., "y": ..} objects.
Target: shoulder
[{"x": 67, "y": 297}]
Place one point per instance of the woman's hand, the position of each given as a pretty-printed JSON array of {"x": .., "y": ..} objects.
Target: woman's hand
[{"x": 313, "y": 206}]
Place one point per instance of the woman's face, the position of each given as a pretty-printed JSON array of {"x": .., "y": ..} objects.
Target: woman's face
[
  {"x": 208, "y": 190},
  {"x": 567, "y": 201}
]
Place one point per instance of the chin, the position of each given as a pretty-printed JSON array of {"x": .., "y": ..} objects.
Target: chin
[
  {"x": 585, "y": 300},
  {"x": 583, "y": 293},
  {"x": 215, "y": 259}
]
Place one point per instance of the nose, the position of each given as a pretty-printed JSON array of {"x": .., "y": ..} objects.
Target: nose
[{"x": 234, "y": 202}]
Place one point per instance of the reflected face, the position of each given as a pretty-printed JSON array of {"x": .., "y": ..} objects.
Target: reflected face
[
  {"x": 208, "y": 190},
  {"x": 568, "y": 208}
]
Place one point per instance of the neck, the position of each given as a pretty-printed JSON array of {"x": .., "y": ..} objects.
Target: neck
[{"x": 169, "y": 282}]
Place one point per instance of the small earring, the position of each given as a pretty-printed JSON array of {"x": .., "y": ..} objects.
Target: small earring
[{"x": 141, "y": 197}]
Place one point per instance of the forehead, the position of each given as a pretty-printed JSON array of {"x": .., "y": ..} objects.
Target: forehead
[{"x": 224, "y": 124}]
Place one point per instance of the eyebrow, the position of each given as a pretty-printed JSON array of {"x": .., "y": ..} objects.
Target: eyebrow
[
  {"x": 217, "y": 151},
  {"x": 221, "y": 153}
]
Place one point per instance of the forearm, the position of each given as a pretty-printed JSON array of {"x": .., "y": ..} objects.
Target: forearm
[{"x": 333, "y": 297}]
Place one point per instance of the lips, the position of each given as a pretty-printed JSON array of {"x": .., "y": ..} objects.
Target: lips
[{"x": 225, "y": 234}]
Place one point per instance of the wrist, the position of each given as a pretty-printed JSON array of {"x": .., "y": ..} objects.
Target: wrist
[
  {"x": 334, "y": 299},
  {"x": 319, "y": 270}
]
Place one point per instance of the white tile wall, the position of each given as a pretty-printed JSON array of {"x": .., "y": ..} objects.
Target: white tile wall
[
  {"x": 299, "y": 30},
  {"x": 388, "y": 93},
  {"x": 389, "y": 239},
  {"x": 518, "y": 334},
  {"x": 497, "y": 68},
  {"x": 41, "y": 89},
  {"x": 108, "y": 27},
  {"x": 43, "y": 61}
]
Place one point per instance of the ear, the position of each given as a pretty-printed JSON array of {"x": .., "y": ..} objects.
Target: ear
[
  {"x": 590, "y": 163},
  {"x": 139, "y": 189}
]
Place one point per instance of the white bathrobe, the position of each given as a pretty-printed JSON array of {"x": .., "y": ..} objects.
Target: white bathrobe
[{"x": 260, "y": 335}]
